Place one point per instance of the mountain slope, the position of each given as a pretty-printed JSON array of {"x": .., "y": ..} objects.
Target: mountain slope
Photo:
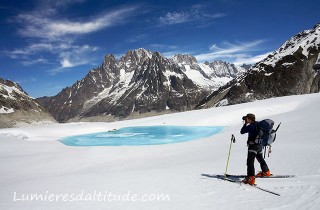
[
  {"x": 140, "y": 83},
  {"x": 290, "y": 70},
  {"x": 16, "y": 106}
]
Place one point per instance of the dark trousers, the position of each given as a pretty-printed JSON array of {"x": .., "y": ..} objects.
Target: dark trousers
[{"x": 255, "y": 151}]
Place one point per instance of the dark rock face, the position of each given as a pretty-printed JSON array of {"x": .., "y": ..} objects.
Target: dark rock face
[
  {"x": 17, "y": 106},
  {"x": 290, "y": 70},
  {"x": 140, "y": 83}
]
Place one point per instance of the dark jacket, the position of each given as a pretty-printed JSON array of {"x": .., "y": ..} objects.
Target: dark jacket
[{"x": 252, "y": 131}]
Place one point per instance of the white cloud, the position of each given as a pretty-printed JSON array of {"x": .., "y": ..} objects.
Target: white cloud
[
  {"x": 75, "y": 56},
  {"x": 196, "y": 13},
  {"x": 237, "y": 53},
  {"x": 52, "y": 39},
  {"x": 235, "y": 48},
  {"x": 31, "y": 49},
  {"x": 35, "y": 61},
  {"x": 248, "y": 59},
  {"x": 59, "y": 3},
  {"x": 65, "y": 63},
  {"x": 45, "y": 26},
  {"x": 66, "y": 51},
  {"x": 172, "y": 18}
]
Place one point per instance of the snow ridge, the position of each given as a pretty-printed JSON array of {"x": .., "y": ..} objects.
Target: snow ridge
[
  {"x": 10, "y": 91},
  {"x": 292, "y": 69},
  {"x": 303, "y": 41}
]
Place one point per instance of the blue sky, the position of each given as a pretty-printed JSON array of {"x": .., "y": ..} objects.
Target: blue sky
[{"x": 46, "y": 46}]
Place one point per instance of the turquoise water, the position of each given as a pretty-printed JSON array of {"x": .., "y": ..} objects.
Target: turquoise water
[{"x": 143, "y": 135}]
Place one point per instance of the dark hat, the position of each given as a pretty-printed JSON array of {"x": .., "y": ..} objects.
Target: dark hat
[{"x": 250, "y": 116}]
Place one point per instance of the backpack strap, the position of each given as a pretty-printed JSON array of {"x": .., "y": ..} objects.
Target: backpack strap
[{"x": 258, "y": 139}]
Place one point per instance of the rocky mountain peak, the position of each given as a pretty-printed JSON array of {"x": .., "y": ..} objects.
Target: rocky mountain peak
[
  {"x": 16, "y": 106},
  {"x": 246, "y": 66},
  {"x": 135, "y": 57},
  {"x": 158, "y": 57},
  {"x": 185, "y": 59},
  {"x": 109, "y": 60},
  {"x": 141, "y": 52},
  {"x": 225, "y": 69}
]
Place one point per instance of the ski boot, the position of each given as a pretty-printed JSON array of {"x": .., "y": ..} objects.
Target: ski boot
[
  {"x": 251, "y": 180},
  {"x": 263, "y": 174}
]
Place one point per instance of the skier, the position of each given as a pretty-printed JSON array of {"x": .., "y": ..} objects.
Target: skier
[{"x": 254, "y": 150}]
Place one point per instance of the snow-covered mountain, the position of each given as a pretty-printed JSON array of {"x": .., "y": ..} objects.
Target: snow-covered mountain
[
  {"x": 208, "y": 75},
  {"x": 292, "y": 69},
  {"x": 140, "y": 83},
  {"x": 17, "y": 107}
]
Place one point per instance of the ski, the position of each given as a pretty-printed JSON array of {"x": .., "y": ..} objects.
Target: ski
[
  {"x": 241, "y": 183},
  {"x": 264, "y": 177}
]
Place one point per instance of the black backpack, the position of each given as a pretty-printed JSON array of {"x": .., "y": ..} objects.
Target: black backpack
[{"x": 266, "y": 133}]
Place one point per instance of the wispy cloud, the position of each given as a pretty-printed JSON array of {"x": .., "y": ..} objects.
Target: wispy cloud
[
  {"x": 138, "y": 38},
  {"x": 75, "y": 56},
  {"x": 68, "y": 54},
  {"x": 172, "y": 18},
  {"x": 47, "y": 27},
  {"x": 237, "y": 53},
  {"x": 30, "y": 50},
  {"x": 59, "y": 3},
  {"x": 50, "y": 34},
  {"x": 251, "y": 59},
  {"x": 35, "y": 61},
  {"x": 196, "y": 13}
]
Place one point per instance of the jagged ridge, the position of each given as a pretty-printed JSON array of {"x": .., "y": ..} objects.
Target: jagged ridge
[{"x": 140, "y": 82}]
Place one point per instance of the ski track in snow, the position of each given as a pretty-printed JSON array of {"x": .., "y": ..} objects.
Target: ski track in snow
[{"x": 33, "y": 161}]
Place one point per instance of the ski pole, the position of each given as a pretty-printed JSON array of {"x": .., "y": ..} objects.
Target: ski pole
[{"x": 233, "y": 140}]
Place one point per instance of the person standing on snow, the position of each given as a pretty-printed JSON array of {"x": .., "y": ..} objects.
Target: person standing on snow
[{"x": 254, "y": 150}]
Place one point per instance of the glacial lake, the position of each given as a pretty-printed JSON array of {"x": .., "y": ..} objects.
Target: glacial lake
[{"x": 143, "y": 135}]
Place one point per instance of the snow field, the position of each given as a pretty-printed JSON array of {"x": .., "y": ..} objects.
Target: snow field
[{"x": 33, "y": 161}]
